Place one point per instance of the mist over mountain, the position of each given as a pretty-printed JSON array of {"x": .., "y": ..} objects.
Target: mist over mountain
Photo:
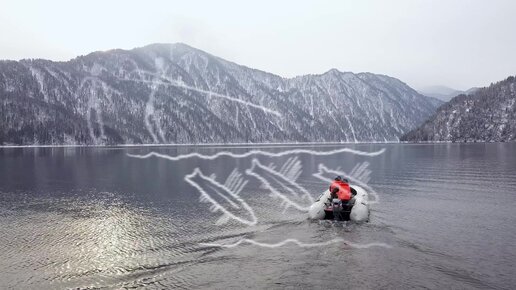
[
  {"x": 488, "y": 114},
  {"x": 173, "y": 93},
  {"x": 444, "y": 93}
]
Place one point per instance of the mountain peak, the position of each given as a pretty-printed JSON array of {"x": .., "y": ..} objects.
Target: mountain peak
[
  {"x": 333, "y": 71},
  {"x": 166, "y": 46},
  {"x": 168, "y": 49}
]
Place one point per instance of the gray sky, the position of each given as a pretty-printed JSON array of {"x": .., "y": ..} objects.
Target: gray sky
[{"x": 460, "y": 44}]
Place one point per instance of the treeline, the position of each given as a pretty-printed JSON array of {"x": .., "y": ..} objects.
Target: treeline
[{"x": 487, "y": 115}]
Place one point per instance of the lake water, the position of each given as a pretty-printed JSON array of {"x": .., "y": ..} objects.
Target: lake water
[{"x": 99, "y": 218}]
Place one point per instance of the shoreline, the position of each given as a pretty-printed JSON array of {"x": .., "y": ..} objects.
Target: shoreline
[
  {"x": 196, "y": 144},
  {"x": 243, "y": 144}
]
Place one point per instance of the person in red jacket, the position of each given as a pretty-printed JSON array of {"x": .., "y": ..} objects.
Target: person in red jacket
[
  {"x": 340, "y": 189},
  {"x": 341, "y": 198}
]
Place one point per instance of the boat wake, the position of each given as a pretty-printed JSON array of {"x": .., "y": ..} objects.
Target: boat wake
[{"x": 297, "y": 242}]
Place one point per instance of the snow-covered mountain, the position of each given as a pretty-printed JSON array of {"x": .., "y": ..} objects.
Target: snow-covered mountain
[
  {"x": 173, "y": 93},
  {"x": 488, "y": 114}
]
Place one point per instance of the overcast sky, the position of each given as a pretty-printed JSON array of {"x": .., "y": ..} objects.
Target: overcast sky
[{"x": 460, "y": 44}]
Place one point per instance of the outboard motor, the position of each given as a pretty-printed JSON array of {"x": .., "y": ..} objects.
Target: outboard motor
[
  {"x": 336, "y": 209},
  {"x": 341, "y": 210}
]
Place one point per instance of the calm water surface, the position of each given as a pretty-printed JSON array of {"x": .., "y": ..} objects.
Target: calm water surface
[{"x": 96, "y": 218}]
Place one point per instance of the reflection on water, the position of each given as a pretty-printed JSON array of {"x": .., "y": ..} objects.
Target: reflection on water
[{"x": 92, "y": 217}]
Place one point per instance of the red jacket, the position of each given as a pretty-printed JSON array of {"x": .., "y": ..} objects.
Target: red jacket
[{"x": 344, "y": 192}]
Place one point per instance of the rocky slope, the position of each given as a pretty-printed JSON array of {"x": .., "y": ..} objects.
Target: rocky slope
[
  {"x": 489, "y": 114},
  {"x": 173, "y": 93}
]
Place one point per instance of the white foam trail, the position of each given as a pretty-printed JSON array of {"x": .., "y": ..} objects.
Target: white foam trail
[
  {"x": 297, "y": 242},
  {"x": 256, "y": 152},
  {"x": 229, "y": 194},
  {"x": 292, "y": 169},
  {"x": 361, "y": 172},
  {"x": 283, "y": 181}
]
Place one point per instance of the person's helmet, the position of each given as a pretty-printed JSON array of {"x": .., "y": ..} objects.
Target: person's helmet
[
  {"x": 338, "y": 178},
  {"x": 345, "y": 180}
]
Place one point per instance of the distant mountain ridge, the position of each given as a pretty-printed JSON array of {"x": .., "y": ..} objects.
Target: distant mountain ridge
[
  {"x": 487, "y": 115},
  {"x": 443, "y": 93},
  {"x": 173, "y": 93}
]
